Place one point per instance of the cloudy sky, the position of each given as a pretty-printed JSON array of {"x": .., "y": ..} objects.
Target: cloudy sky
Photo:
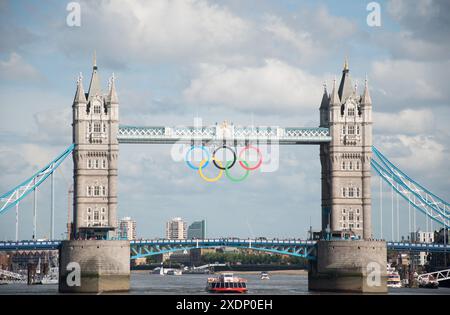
[{"x": 246, "y": 61}]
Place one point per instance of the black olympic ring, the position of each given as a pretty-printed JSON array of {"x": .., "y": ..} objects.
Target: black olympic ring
[{"x": 234, "y": 157}]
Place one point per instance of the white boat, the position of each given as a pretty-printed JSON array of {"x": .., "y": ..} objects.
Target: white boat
[
  {"x": 51, "y": 277},
  {"x": 264, "y": 276},
  {"x": 393, "y": 280},
  {"x": 174, "y": 272}
]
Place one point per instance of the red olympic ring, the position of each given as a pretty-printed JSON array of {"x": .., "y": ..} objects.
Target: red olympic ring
[{"x": 259, "y": 154}]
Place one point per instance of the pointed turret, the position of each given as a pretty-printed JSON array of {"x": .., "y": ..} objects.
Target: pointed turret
[
  {"x": 346, "y": 86},
  {"x": 325, "y": 99},
  {"x": 79, "y": 94},
  {"x": 112, "y": 95},
  {"x": 94, "y": 86},
  {"x": 365, "y": 98},
  {"x": 334, "y": 97}
]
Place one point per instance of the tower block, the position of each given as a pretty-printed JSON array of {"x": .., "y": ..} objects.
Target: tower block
[{"x": 348, "y": 259}]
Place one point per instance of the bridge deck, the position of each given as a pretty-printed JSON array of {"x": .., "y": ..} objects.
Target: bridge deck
[{"x": 218, "y": 133}]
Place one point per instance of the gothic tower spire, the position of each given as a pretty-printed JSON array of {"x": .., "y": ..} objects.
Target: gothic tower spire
[
  {"x": 94, "y": 86},
  {"x": 346, "y": 86},
  {"x": 366, "y": 99},
  {"x": 80, "y": 97}
]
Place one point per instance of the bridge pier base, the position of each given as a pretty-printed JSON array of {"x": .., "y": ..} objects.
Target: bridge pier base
[
  {"x": 356, "y": 266},
  {"x": 91, "y": 266}
]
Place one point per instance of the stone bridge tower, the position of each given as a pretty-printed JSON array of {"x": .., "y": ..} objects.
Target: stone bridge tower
[
  {"x": 346, "y": 190},
  {"x": 95, "y": 126}
]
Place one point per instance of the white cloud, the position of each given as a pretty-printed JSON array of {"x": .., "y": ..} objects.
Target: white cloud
[
  {"x": 272, "y": 87},
  {"x": 157, "y": 29},
  {"x": 404, "y": 80},
  {"x": 408, "y": 121},
  {"x": 15, "y": 68},
  {"x": 419, "y": 154}
]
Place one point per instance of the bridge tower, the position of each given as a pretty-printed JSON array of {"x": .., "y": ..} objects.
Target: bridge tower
[
  {"x": 342, "y": 264},
  {"x": 102, "y": 264},
  {"x": 95, "y": 126},
  {"x": 346, "y": 195}
]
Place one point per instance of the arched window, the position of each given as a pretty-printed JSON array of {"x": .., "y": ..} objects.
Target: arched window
[
  {"x": 357, "y": 165},
  {"x": 103, "y": 163},
  {"x": 104, "y": 127},
  {"x": 89, "y": 191},
  {"x": 104, "y": 191},
  {"x": 357, "y": 129},
  {"x": 97, "y": 109},
  {"x": 96, "y": 190},
  {"x": 96, "y": 164},
  {"x": 351, "y": 112},
  {"x": 357, "y": 192},
  {"x": 344, "y": 192},
  {"x": 89, "y": 163},
  {"x": 343, "y": 165},
  {"x": 97, "y": 127},
  {"x": 350, "y": 165},
  {"x": 343, "y": 130}
]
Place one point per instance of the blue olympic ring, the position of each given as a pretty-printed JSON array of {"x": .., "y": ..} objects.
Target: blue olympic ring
[{"x": 202, "y": 147}]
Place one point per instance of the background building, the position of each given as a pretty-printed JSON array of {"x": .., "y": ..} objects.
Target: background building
[
  {"x": 197, "y": 230},
  {"x": 421, "y": 237},
  {"x": 127, "y": 228},
  {"x": 176, "y": 229}
]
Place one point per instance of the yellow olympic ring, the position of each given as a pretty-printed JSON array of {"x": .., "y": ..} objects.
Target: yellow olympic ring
[{"x": 214, "y": 179}]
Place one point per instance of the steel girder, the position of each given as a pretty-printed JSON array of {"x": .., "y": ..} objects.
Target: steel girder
[
  {"x": 420, "y": 198},
  {"x": 12, "y": 197}
]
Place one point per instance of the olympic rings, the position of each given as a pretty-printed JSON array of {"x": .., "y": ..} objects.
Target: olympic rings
[
  {"x": 240, "y": 179},
  {"x": 214, "y": 179},
  {"x": 234, "y": 157},
  {"x": 246, "y": 165},
  {"x": 219, "y": 164},
  {"x": 190, "y": 150}
]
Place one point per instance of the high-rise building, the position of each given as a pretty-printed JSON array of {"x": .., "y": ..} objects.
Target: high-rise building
[
  {"x": 421, "y": 237},
  {"x": 176, "y": 229},
  {"x": 127, "y": 228},
  {"x": 197, "y": 230}
]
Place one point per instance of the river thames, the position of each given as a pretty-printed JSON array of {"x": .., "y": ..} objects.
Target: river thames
[{"x": 144, "y": 283}]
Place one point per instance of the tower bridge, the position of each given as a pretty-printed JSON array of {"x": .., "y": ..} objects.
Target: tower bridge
[{"x": 344, "y": 137}]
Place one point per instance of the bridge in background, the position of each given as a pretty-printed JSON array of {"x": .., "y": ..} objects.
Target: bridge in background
[{"x": 298, "y": 248}]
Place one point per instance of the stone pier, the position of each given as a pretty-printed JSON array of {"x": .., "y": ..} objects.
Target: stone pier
[
  {"x": 349, "y": 266},
  {"x": 92, "y": 266}
]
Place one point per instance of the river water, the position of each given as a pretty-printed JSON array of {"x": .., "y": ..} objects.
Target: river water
[{"x": 146, "y": 283}]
